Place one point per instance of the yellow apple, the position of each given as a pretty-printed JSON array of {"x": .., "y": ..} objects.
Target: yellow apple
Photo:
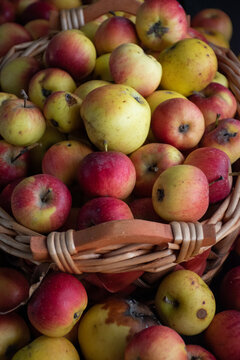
[
  {"x": 85, "y": 88},
  {"x": 215, "y": 37},
  {"x": 159, "y": 96},
  {"x": 5, "y": 96},
  {"x": 220, "y": 79},
  {"x": 102, "y": 69}
]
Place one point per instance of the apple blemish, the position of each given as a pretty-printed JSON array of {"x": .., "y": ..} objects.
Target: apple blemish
[
  {"x": 201, "y": 314},
  {"x": 224, "y": 136},
  {"x": 157, "y": 29},
  {"x": 160, "y": 194},
  {"x": 70, "y": 99}
]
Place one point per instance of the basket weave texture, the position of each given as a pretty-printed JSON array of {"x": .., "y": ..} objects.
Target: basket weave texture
[{"x": 127, "y": 245}]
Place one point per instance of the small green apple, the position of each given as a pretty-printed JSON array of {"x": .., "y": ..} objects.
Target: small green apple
[{"x": 185, "y": 302}]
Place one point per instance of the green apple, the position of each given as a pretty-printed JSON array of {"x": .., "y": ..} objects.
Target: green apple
[
  {"x": 102, "y": 69},
  {"x": 185, "y": 302},
  {"x": 116, "y": 115},
  {"x": 85, "y": 88}
]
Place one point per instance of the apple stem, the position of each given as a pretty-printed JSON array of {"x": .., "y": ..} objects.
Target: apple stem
[
  {"x": 25, "y": 97},
  {"x": 214, "y": 181},
  {"x": 217, "y": 119},
  {"x": 23, "y": 151},
  {"x": 105, "y": 144}
]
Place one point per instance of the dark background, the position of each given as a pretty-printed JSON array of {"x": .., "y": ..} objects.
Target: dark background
[{"x": 231, "y": 7}]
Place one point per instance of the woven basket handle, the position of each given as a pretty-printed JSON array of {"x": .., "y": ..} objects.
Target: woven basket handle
[{"x": 119, "y": 233}]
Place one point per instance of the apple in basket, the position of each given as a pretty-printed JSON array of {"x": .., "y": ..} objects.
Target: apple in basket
[
  {"x": 215, "y": 100},
  {"x": 160, "y": 23},
  {"x": 6, "y": 193},
  {"x": 130, "y": 65},
  {"x": 7, "y": 11},
  {"x": 14, "y": 162},
  {"x": 12, "y": 33},
  {"x": 181, "y": 193},
  {"x": 159, "y": 96},
  {"x": 57, "y": 304},
  {"x": 38, "y": 28},
  {"x": 37, "y": 10},
  {"x": 216, "y": 165},
  {"x": 45, "y": 347},
  {"x": 106, "y": 173},
  {"x": 156, "y": 343},
  {"x": 41, "y": 202},
  {"x": 222, "y": 335},
  {"x": 14, "y": 334},
  {"x": 198, "y": 352},
  {"x": 229, "y": 289},
  {"x": 107, "y": 327},
  {"x": 113, "y": 32},
  {"x": 185, "y": 302}
]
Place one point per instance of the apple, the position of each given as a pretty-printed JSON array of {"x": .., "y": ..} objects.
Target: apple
[
  {"x": 50, "y": 137},
  {"x": 22, "y": 123},
  {"x": 215, "y": 37},
  {"x": 37, "y": 10},
  {"x": 102, "y": 209},
  {"x": 38, "y": 28},
  {"x": 90, "y": 28},
  {"x": 57, "y": 304},
  {"x": 111, "y": 116},
  {"x": 216, "y": 165},
  {"x": 221, "y": 79},
  {"x": 185, "y": 302},
  {"x": 159, "y": 96},
  {"x": 7, "y": 12},
  {"x": 229, "y": 289},
  {"x": 63, "y": 159},
  {"x": 14, "y": 333},
  {"x": 22, "y": 4},
  {"x": 83, "y": 89},
  {"x": 197, "y": 264},
  {"x": 6, "y": 193},
  {"x": 73, "y": 52},
  {"x": 194, "y": 33},
  {"x": 198, "y": 64},
  {"x": 224, "y": 135},
  {"x": 198, "y": 352},
  {"x": 160, "y": 23},
  {"x": 113, "y": 32},
  {"x": 130, "y": 65},
  {"x": 6, "y": 96},
  {"x": 107, "y": 327},
  {"x": 16, "y": 74},
  {"x": 184, "y": 127},
  {"x": 47, "y": 81},
  {"x": 14, "y": 162},
  {"x": 51, "y": 348},
  {"x": 14, "y": 287},
  {"x": 41, "y": 202},
  {"x": 65, "y": 4},
  {"x": 213, "y": 19},
  {"x": 12, "y": 33},
  {"x": 142, "y": 208},
  {"x": 150, "y": 160},
  {"x": 222, "y": 335},
  {"x": 102, "y": 69},
  {"x": 106, "y": 173},
  {"x": 156, "y": 342},
  {"x": 181, "y": 193},
  {"x": 62, "y": 110},
  {"x": 215, "y": 100}
]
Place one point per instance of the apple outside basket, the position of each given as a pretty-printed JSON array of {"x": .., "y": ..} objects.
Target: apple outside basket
[{"x": 126, "y": 245}]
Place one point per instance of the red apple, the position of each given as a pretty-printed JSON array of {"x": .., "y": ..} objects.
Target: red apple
[
  {"x": 13, "y": 162},
  {"x": 156, "y": 343},
  {"x": 216, "y": 165},
  {"x": 14, "y": 288},
  {"x": 142, "y": 208},
  {"x": 12, "y": 33},
  {"x": 178, "y": 122},
  {"x": 224, "y": 135},
  {"x": 149, "y": 161},
  {"x": 198, "y": 263},
  {"x": 7, "y": 11},
  {"x": 63, "y": 158},
  {"x": 41, "y": 202},
  {"x": 222, "y": 335},
  {"x": 215, "y": 100},
  {"x": 6, "y": 193},
  {"x": 107, "y": 173},
  {"x": 213, "y": 19},
  {"x": 37, "y": 10},
  {"x": 181, "y": 193},
  {"x": 102, "y": 209},
  {"x": 197, "y": 352},
  {"x": 38, "y": 28},
  {"x": 14, "y": 334},
  {"x": 160, "y": 23},
  {"x": 113, "y": 32},
  {"x": 230, "y": 289},
  {"x": 57, "y": 304},
  {"x": 73, "y": 52}
]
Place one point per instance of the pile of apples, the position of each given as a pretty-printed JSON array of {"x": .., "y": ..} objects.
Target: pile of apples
[{"x": 126, "y": 118}]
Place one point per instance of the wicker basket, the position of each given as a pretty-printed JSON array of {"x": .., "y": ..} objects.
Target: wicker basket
[{"x": 126, "y": 245}]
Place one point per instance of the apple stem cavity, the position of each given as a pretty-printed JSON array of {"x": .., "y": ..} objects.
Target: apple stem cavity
[
  {"x": 183, "y": 128},
  {"x": 166, "y": 299},
  {"x": 46, "y": 195},
  {"x": 214, "y": 181},
  {"x": 153, "y": 168},
  {"x": 157, "y": 29},
  {"x": 23, "y": 151}
]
